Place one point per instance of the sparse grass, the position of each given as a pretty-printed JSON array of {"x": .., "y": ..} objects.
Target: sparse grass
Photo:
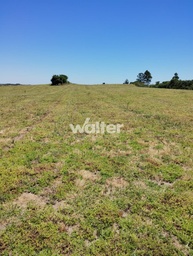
[{"x": 105, "y": 194}]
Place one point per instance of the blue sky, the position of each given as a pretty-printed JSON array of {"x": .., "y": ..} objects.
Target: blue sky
[{"x": 95, "y": 41}]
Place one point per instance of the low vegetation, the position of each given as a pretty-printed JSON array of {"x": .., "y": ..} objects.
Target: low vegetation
[
  {"x": 96, "y": 194},
  {"x": 175, "y": 84},
  {"x": 144, "y": 79}
]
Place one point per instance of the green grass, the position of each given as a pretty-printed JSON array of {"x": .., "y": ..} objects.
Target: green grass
[{"x": 96, "y": 194}]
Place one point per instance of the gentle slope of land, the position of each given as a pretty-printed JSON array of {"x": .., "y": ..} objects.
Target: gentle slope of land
[{"x": 96, "y": 194}]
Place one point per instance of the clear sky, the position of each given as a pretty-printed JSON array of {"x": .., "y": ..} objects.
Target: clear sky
[{"x": 95, "y": 41}]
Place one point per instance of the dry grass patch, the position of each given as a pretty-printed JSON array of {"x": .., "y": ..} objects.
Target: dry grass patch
[
  {"x": 112, "y": 184},
  {"x": 158, "y": 150},
  {"x": 87, "y": 175},
  {"x": 5, "y": 140},
  {"x": 47, "y": 191},
  {"x": 22, "y": 133},
  {"x": 80, "y": 183},
  {"x": 116, "y": 182},
  {"x": 114, "y": 153},
  {"x": 60, "y": 205},
  {"x": 3, "y": 131},
  {"x": 140, "y": 184},
  {"x": 179, "y": 246},
  {"x": 26, "y": 198},
  {"x": 2, "y": 227},
  {"x": 68, "y": 229},
  {"x": 183, "y": 248},
  {"x": 160, "y": 182}
]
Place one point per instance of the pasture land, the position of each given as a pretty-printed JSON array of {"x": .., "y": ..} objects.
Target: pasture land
[{"x": 128, "y": 193}]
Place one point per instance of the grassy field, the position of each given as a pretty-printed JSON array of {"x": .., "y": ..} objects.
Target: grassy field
[{"x": 96, "y": 194}]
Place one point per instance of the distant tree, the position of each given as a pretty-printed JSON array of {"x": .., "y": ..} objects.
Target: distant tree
[
  {"x": 55, "y": 80},
  {"x": 63, "y": 79},
  {"x": 59, "y": 79},
  {"x": 126, "y": 81},
  {"x": 145, "y": 77},
  {"x": 174, "y": 82},
  {"x": 140, "y": 78},
  {"x": 175, "y": 77}
]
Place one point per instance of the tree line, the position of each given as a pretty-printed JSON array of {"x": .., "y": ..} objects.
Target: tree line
[
  {"x": 175, "y": 83},
  {"x": 143, "y": 79}
]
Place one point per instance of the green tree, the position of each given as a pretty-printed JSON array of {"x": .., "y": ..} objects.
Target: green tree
[
  {"x": 59, "y": 79},
  {"x": 140, "y": 78},
  {"x": 55, "y": 80},
  {"x": 63, "y": 79},
  {"x": 175, "y": 77},
  {"x": 126, "y": 81},
  {"x": 145, "y": 77}
]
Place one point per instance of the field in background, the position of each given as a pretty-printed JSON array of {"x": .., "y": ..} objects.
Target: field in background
[{"x": 105, "y": 194}]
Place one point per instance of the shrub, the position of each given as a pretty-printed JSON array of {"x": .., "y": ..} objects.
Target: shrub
[{"x": 59, "y": 79}]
